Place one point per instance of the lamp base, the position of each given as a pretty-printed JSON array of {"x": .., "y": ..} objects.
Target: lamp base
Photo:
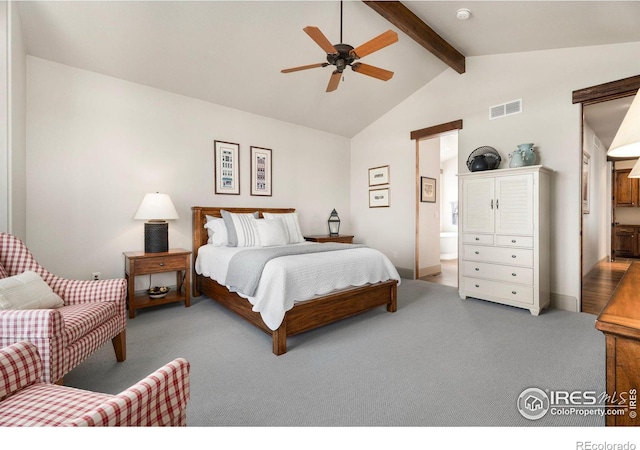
[{"x": 156, "y": 237}]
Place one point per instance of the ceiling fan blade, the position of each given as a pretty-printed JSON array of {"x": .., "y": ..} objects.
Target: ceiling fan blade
[
  {"x": 387, "y": 38},
  {"x": 320, "y": 39},
  {"x": 334, "y": 81},
  {"x": 310, "y": 66},
  {"x": 372, "y": 71}
]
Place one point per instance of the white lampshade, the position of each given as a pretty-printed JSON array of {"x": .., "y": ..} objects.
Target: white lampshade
[
  {"x": 635, "y": 172},
  {"x": 156, "y": 206},
  {"x": 626, "y": 143}
]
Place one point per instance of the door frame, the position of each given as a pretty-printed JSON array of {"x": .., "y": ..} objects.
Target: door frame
[
  {"x": 612, "y": 90},
  {"x": 418, "y": 135}
]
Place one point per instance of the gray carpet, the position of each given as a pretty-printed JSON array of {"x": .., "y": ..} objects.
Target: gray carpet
[{"x": 437, "y": 361}]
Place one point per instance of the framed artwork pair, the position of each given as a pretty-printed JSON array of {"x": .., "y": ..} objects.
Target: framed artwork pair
[
  {"x": 227, "y": 169},
  {"x": 379, "y": 181}
]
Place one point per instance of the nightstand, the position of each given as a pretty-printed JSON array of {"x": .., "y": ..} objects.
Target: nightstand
[
  {"x": 140, "y": 263},
  {"x": 326, "y": 238}
]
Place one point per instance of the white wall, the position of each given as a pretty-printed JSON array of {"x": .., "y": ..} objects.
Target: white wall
[
  {"x": 96, "y": 145},
  {"x": 5, "y": 173},
  {"x": 17, "y": 131},
  {"x": 545, "y": 81},
  {"x": 596, "y": 226}
]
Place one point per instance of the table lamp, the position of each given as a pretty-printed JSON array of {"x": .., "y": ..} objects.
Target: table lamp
[
  {"x": 156, "y": 209},
  {"x": 626, "y": 142}
]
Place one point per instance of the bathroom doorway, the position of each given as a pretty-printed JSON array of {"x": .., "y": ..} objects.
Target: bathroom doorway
[{"x": 437, "y": 212}]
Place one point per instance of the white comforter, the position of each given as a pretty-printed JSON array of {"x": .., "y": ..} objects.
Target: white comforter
[{"x": 300, "y": 277}]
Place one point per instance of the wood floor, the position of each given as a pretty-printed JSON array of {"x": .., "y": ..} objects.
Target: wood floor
[
  {"x": 597, "y": 286},
  {"x": 448, "y": 275}
]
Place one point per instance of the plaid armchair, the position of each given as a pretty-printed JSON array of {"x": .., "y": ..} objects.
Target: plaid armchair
[
  {"x": 160, "y": 399},
  {"x": 93, "y": 313}
]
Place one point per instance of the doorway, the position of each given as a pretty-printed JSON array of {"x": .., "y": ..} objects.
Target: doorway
[
  {"x": 436, "y": 254},
  {"x": 601, "y": 117}
]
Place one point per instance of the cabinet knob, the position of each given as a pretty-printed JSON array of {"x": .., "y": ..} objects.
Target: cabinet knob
[
  {"x": 477, "y": 252},
  {"x": 477, "y": 269},
  {"x": 514, "y": 292},
  {"x": 477, "y": 285},
  {"x": 513, "y": 256},
  {"x": 477, "y": 239},
  {"x": 161, "y": 264},
  {"x": 513, "y": 241},
  {"x": 513, "y": 275}
]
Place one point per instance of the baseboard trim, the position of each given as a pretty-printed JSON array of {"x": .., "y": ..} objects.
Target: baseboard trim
[
  {"x": 564, "y": 302},
  {"x": 405, "y": 273},
  {"x": 424, "y": 271}
]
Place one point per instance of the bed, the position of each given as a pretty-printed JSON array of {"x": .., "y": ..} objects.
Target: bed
[{"x": 304, "y": 315}]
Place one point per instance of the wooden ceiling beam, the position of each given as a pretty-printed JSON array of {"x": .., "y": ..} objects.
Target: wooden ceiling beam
[{"x": 400, "y": 16}]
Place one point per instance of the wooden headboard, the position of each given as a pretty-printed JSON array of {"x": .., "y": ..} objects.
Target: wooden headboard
[{"x": 199, "y": 233}]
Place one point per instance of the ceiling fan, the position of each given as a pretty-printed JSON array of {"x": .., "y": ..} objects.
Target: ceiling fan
[{"x": 342, "y": 55}]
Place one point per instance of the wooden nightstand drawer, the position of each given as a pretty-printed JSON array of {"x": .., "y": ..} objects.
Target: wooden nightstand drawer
[{"x": 159, "y": 264}]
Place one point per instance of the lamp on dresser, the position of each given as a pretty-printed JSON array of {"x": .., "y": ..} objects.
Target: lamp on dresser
[
  {"x": 626, "y": 142},
  {"x": 156, "y": 208}
]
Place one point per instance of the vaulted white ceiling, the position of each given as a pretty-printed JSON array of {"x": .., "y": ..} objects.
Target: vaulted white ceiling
[{"x": 231, "y": 52}]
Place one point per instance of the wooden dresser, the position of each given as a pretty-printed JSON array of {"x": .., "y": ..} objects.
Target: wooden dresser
[{"x": 620, "y": 323}]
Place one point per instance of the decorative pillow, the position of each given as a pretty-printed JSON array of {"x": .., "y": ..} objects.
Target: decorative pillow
[
  {"x": 240, "y": 229},
  {"x": 270, "y": 232},
  {"x": 27, "y": 291},
  {"x": 3, "y": 272},
  {"x": 217, "y": 231},
  {"x": 291, "y": 225}
]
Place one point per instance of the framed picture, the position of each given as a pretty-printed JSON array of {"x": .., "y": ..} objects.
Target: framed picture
[
  {"x": 379, "y": 176},
  {"x": 260, "y": 171},
  {"x": 586, "y": 171},
  {"x": 226, "y": 167},
  {"x": 427, "y": 190},
  {"x": 379, "y": 198}
]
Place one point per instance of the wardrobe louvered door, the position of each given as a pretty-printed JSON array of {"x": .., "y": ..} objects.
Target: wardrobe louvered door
[{"x": 514, "y": 209}]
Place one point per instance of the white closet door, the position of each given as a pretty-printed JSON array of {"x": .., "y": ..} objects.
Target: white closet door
[
  {"x": 479, "y": 205},
  {"x": 514, "y": 204}
]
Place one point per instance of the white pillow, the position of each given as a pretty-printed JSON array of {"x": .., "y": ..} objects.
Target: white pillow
[
  {"x": 27, "y": 291},
  {"x": 270, "y": 232},
  {"x": 217, "y": 231},
  {"x": 240, "y": 229},
  {"x": 291, "y": 225}
]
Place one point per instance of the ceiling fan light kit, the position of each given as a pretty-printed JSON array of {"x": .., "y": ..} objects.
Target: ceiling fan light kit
[{"x": 344, "y": 55}]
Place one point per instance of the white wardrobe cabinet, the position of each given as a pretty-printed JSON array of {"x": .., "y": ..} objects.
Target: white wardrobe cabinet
[{"x": 504, "y": 236}]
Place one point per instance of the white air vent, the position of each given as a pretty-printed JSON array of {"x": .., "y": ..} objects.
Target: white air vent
[{"x": 506, "y": 109}]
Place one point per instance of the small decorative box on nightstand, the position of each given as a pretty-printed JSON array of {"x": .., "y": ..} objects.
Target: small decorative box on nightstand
[
  {"x": 344, "y": 239},
  {"x": 139, "y": 263}
]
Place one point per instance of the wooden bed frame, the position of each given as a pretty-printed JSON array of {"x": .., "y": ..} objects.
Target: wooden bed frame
[{"x": 304, "y": 315}]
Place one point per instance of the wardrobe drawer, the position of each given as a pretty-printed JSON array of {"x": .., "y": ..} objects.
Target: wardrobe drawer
[
  {"x": 500, "y": 255},
  {"x": 510, "y": 274},
  {"x": 486, "y": 239},
  {"x": 515, "y": 241},
  {"x": 475, "y": 287}
]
